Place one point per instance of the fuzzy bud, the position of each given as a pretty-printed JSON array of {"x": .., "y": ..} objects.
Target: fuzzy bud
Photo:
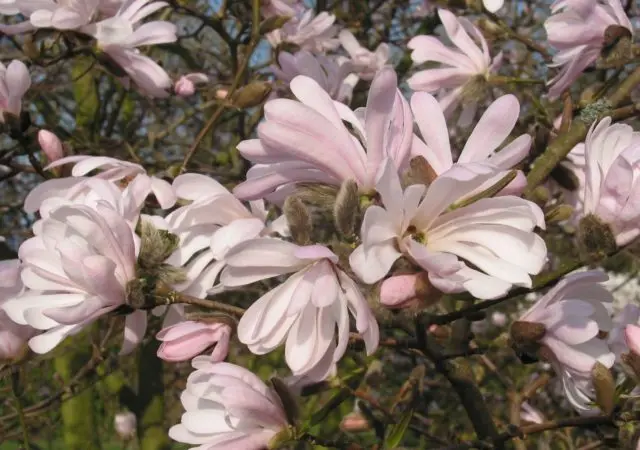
[
  {"x": 526, "y": 333},
  {"x": 420, "y": 172},
  {"x": 595, "y": 239},
  {"x": 288, "y": 399},
  {"x": 631, "y": 363},
  {"x": 605, "y": 387},
  {"x": 402, "y": 291},
  {"x": 346, "y": 209},
  {"x": 558, "y": 213},
  {"x": 251, "y": 95},
  {"x": 299, "y": 220},
  {"x": 50, "y": 145}
]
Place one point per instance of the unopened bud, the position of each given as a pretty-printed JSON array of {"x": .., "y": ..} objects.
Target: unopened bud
[
  {"x": 251, "y": 95},
  {"x": 409, "y": 291},
  {"x": 558, "y": 213},
  {"x": 50, "y": 145},
  {"x": 617, "y": 47},
  {"x": 346, "y": 209},
  {"x": 354, "y": 422},
  {"x": 299, "y": 220},
  {"x": 125, "y": 424},
  {"x": 604, "y": 386},
  {"x": 526, "y": 333},
  {"x": 186, "y": 85},
  {"x": 632, "y": 338},
  {"x": 595, "y": 239},
  {"x": 631, "y": 363}
]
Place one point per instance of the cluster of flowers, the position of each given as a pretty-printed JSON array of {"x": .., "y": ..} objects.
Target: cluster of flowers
[{"x": 372, "y": 212}]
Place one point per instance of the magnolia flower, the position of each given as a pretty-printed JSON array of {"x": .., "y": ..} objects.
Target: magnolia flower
[
  {"x": 184, "y": 340},
  {"x": 308, "y": 31},
  {"x": 495, "y": 235},
  {"x": 118, "y": 37},
  {"x": 228, "y": 407},
  {"x": 76, "y": 270},
  {"x": 307, "y": 141},
  {"x": 63, "y": 14},
  {"x": 492, "y": 130},
  {"x": 186, "y": 85},
  {"x": 13, "y": 336},
  {"x": 572, "y": 315},
  {"x": 291, "y": 8},
  {"x": 612, "y": 186},
  {"x": 14, "y": 83},
  {"x": 464, "y": 68},
  {"x": 125, "y": 424},
  {"x": 208, "y": 228},
  {"x": 324, "y": 70},
  {"x": 50, "y": 145},
  {"x": 577, "y": 30},
  {"x": 365, "y": 62},
  {"x": 305, "y": 310},
  {"x": 129, "y": 174}
]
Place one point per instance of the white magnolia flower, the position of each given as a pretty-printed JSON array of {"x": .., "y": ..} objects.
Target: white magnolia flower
[
  {"x": 75, "y": 270},
  {"x": 612, "y": 181},
  {"x": 365, "y": 62},
  {"x": 327, "y": 71},
  {"x": 573, "y": 314},
  {"x": 495, "y": 235},
  {"x": 13, "y": 336},
  {"x": 308, "y": 31},
  {"x": 209, "y": 227},
  {"x": 227, "y": 407},
  {"x": 305, "y": 310}
]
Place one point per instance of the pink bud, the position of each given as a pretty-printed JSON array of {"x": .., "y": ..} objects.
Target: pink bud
[
  {"x": 222, "y": 93},
  {"x": 125, "y": 424},
  {"x": 13, "y": 337},
  {"x": 354, "y": 422},
  {"x": 186, "y": 340},
  {"x": 398, "y": 291},
  {"x": 499, "y": 319},
  {"x": 632, "y": 337},
  {"x": 51, "y": 145},
  {"x": 186, "y": 85}
]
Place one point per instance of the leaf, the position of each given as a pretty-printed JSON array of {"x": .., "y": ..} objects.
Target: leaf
[{"x": 397, "y": 431}]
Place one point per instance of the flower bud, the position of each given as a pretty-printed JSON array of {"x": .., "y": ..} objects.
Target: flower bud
[
  {"x": 632, "y": 338},
  {"x": 251, "y": 95},
  {"x": 185, "y": 340},
  {"x": 403, "y": 291},
  {"x": 299, "y": 220},
  {"x": 50, "y": 145},
  {"x": 526, "y": 333},
  {"x": 558, "y": 213},
  {"x": 605, "y": 387},
  {"x": 346, "y": 208},
  {"x": 186, "y": 84},
  {"x": 354, "y": 422},
  {"x": 595, "y": 239},
  {"x": 125, "y": 424}
]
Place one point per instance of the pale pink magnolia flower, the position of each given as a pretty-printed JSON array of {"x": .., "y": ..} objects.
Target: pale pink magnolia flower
[
  {"x": 365, "y": 62},
  {"x": 576, "y": 29},
  {"x": 612, "y": 186},
  {"x": 489, "y": 134},
  {"x": 15, "y": 81},
  {"x": 125, "y": 424},
  {"x": 208, "y": 227},
  {"x": 305, "y": 310},
  {"x": 227, "y": 407},
  {"x": 131, "y": 175},
  {"x": 120, "y": 35},
  {"x": 307, "y": 140},
  {"x": 461, "y": 66},
  {"x": 186, "y": 85},
  {"x": 13, "y": 337},
  {"x": 50, "y": 145},
  {"x": 495, "y": 235},
  {"x": 325, "y": 70},
  {"x": 573, "y": 314},
  {"x": 76, "y": 270},
  {"x": 185, "y": 340},
  {"x": 9, "y": 7},
  {"x": 62, "y": 14},
  {"x": 308, "y": 31},
  {"x": 291, "y": 8}
]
